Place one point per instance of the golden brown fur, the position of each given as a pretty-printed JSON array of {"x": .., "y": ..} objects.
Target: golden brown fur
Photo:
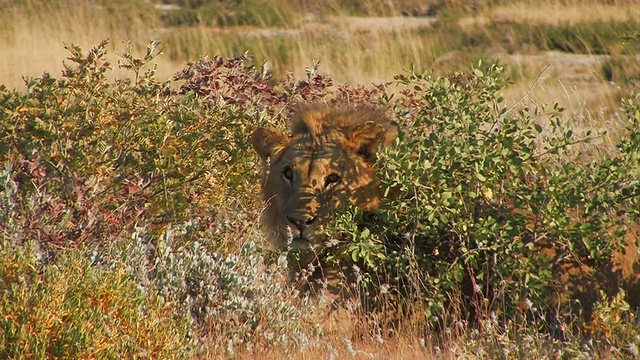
[{"x": 326, "y": 162}]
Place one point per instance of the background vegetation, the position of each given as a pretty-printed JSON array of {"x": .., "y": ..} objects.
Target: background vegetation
[{"x": 128, "y": 202}]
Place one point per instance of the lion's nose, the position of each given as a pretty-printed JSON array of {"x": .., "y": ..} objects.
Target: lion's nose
[{"x": 302, "y": 222}]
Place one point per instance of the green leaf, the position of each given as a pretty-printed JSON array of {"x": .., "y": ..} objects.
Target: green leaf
[{"x": 355, "y": 254}]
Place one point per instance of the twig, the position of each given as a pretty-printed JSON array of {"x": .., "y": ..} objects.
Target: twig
[{"x": 526, "y": 93}]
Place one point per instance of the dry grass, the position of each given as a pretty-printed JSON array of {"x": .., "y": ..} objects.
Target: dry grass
[
  {"x": 555, "y": 13},
  {"x": 359, "y": 50},
  {"x": 33, "y": 36},
  {"x": 341, "y": 349},
  {"x": 574, "y": 81}
]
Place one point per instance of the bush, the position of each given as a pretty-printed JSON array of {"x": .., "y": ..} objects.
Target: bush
[
  {"x": 147, "y": 175},
  {"x": 235, "y": 299},
  {"x": 487, "y": 206},
  {"x": 71, "y": 309},
  {"x": 95, "y": 157},
  {"x": 486, "y": 210}
]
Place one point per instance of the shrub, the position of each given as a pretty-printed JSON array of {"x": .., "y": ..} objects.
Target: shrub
[
  {"x": 613, "y": 325},
  {"x": 97, "y": 156},
  {"x": 71, "y": 309},
  {"x": 235, "y": 299},
  {"x": 487, "y": 206},
  {"x": 147, "y": 175}
]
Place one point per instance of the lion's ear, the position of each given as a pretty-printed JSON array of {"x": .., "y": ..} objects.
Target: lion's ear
[
  {"x": 366, "y": 138},
  {"x": 267, "y": 141}
]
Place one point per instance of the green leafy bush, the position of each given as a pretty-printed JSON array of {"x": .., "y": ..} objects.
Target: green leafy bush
[{"x": 487, "y": 206}]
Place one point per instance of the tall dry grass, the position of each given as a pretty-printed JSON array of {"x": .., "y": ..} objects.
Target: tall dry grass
[
  {"x": 352, "y": 55},
  {"x": 350, "y": 41},
  {"x": 33, "y": 33}
]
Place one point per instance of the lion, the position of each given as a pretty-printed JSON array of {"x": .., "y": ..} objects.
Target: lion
[{"x": 325, "y": 163}]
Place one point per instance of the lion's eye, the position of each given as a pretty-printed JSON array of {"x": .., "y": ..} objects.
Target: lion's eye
[
  {"x": 288, "y": 173},
  {"x": 366, "y": 155},
  {"x": 331, "y": 179}
]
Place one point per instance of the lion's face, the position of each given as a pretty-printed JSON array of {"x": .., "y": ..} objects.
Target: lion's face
[{"x": 308, "y": 176}]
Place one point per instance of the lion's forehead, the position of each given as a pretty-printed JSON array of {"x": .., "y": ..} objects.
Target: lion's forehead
[
  {"x": 309, "y": 147},
  {"x": 311, "y": 158}
]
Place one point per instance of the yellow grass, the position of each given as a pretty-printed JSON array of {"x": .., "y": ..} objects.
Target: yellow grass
[
  {"x": 554, "y": 13},
  {"x": 32, "y": 38},
  {"x": 351, "y": 49},
  {"x": 570, "y": 79},
  {"x": 341, "y": 349}
]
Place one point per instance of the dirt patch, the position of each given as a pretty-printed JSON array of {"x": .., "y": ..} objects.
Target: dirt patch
[
  {"x": 570, "y": 68},
  {"x": 383, "y": 24},
  {"x": 574, "y": 81},
  {"x": 344, "y": 26}
]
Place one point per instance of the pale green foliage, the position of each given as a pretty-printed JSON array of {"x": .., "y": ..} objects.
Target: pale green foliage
[{"x": 234, "y": 295}]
